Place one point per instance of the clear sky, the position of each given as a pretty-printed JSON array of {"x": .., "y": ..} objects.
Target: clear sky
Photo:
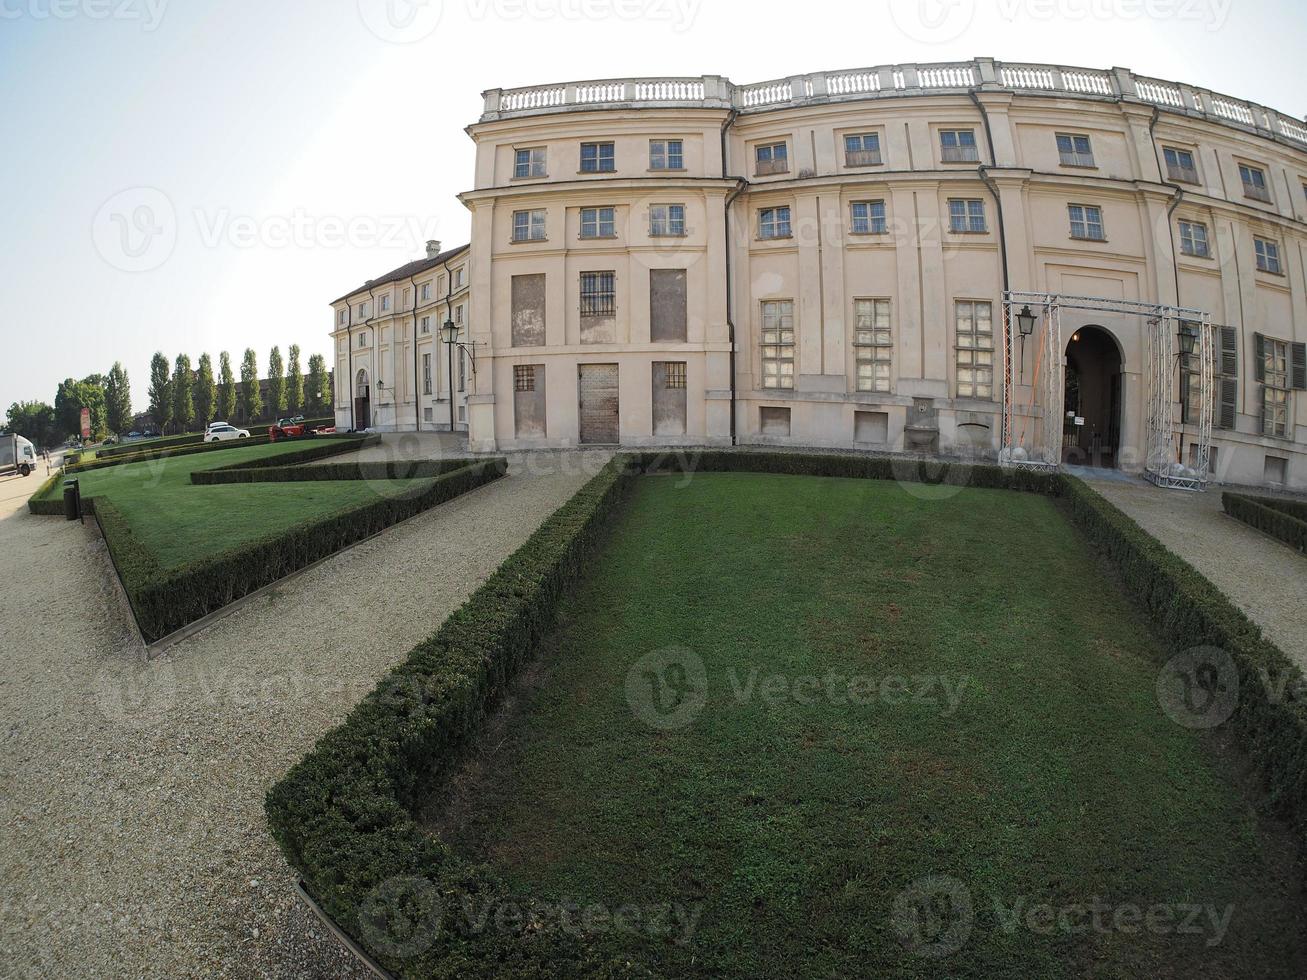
[{"x": 182, "y": 175}]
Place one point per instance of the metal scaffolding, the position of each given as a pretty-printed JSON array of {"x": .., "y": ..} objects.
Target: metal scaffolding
[{"x": 1032, "y": 437}]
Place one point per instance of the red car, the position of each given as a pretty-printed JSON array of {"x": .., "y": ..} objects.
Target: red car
[{"x": 293, "y": 428}]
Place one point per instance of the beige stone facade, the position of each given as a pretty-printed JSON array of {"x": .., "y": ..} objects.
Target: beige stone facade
[{"x": 822, "y": 260}]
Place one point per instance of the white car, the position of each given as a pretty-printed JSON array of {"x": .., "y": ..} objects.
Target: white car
[{"x": 219, "y": 431}]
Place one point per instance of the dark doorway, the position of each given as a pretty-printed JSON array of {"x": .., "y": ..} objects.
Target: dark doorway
[
  {"x": 1091, "y": 427},
  {"x": 362, "y": 401}
]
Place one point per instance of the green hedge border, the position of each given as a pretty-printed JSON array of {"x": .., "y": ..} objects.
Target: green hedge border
[
  {"x": 166, "y": 601},
  {"x": 168, "y": 453},
  {"x": 343, "y": 816},
  {"x": 170, "y": 442},
  {"x": 401, "y": 470},
  {"x": 1278, "y": 518}
]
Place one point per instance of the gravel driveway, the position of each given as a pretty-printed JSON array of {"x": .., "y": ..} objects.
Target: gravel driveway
[{"x": 131, "y": 793}]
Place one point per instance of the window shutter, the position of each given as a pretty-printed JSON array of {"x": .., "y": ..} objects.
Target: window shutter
[
  {"x": 1298, "y": 366},
  {"x": 1186, "y": 380},
  {"x": 1229, "y": 352},
  {"x": 1259, "y": 357},
  {"x": 1229, "y": 403}
]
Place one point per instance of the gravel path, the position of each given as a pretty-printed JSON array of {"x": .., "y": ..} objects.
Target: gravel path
[
  {"x": 131, "y": 793},
  {"x": 1264, "y": 578}
]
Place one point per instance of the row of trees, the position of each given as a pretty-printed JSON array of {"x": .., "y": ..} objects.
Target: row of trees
[
  {"x": 107, "y": 397},
  {"x": 182, "y": 396}
]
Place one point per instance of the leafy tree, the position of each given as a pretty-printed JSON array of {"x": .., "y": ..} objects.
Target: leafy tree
[
  {"x": 204, "y": 394},
  {"x": 294, "y": 381},
  {"x": 34, "y": 421},
  {"x": 276, "y": 384},
  {"x": 160, "y": 391},
  {"x": 183, "y": 405},
  {"x": 226, "y": 388},
  {"x": 251, "y": 399},
  {"x": 118, "y": 399},
  {"x": 319, "y": 392},
  {"x": 71, "y": 397}
]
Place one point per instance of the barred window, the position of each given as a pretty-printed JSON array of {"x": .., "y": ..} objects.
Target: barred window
[
  {"x": 667, "y": 220},
  {"x": 975, "y": 349},
  {"x": 529, "y": 162},
  {"x": 524, "y": 377},
  {"x": 774, "y": 223},
  {"x": 666, "y": 155},
  {"x": 673, "y": 375},
  {"x": 529, "y": 226},
  {"x": 597, "y": 158},
  {"x": 597, "y": 223},
  {"x": 862, "y": 150},
  {"x": 958, "y": 146},
  {"x": 598, "y": 293},
  {"x": 1193, "y": 239},
  {"x": 873, "y": 342},
  {"x": 867, "y": 218},
  {"x": 1268, "y": 255},
  {"x": 1086, "y": 222},
  {"x": 777, "y": 343},
  {"x": 966, "y": 215}
]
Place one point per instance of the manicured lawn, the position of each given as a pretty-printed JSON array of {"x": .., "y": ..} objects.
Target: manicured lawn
[
  {"x": 1024, "y": 754},
  {"x": 179, "y": 521}
]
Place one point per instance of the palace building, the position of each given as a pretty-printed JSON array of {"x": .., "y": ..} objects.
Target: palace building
[{"x": 979, "y": 259}]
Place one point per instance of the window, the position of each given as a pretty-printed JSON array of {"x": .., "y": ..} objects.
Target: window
[
  {"x": 597, "y": 158},
  {"x": 1273, "y": 361},
  {"x": 862, "y": 150},
  {"x": 1268, "y": 256},
  {"x": 867, "y": 218},
  {"x": 958, "y": 146},
  {"x": 598, "y": 293},
  {"x": 426, "y": 291},
  {"x": 524, "y": 377},
  {"x": 1074, "y": 150},
  {"x": 774, "y": 223},
  {"x": 966, "y": 215},
  {"x": 363, "y": 310},
  {"x": 1193, "y": 239},
  {"x": 674, "y": 375},
  {"x": 597, "y": 223},
  {"x": 458, "y": 314},
  {"x": 1180, "y": 165},
  {"x": 529, "y": 162},
  {"x": 873, "y": 343},
  {"x": 426, "y": 374},
  {"x": 975, "y": 348},
  {"x": 667, "y": 220},
  {"x": 1254, "y": 183},
  {"x": 363, "y": 340},
  {"x": 385, "y": 303},
  {"x": 341, "y": 316},
  {"x": 425, "y": 324},
  {"x": 666, "y": 155},
  {"x": 458, "y": 277},
  {"x": 529, "y": 226},
  {"x": 777, "y": 343},
  {"x": 462, "y": 370},
  {"x": 771, "y": 158},
  {"x": 1086, "y": 222}
]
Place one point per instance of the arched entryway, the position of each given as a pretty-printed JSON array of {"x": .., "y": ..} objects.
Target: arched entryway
[
  {"x": 362, "y": 400},
  {"x": 1091, "y": 430}
]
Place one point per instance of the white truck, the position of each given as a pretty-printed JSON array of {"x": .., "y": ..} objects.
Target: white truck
[{"x": 17, "y": 455}]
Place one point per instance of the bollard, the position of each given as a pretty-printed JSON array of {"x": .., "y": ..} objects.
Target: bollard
[{"x": 72, "y": 500}]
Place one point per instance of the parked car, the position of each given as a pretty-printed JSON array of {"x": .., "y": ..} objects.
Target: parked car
[
  {"x": 17, "y": 455},
  {"x": 220, "y": 431},
  {"x": 288, "y": 428}
]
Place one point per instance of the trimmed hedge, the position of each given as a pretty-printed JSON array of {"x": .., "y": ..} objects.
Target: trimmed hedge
[
  {"x": 343, "y": 816},
  {"x": 190, "y": 438},
  {"x": 1270, "y": 516},
  {"x": 165, "y": 601},
  {"x": 43, "y": 507},
  {"x": 164, "y": 453},
  {"x": 416, "y": 469}
]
